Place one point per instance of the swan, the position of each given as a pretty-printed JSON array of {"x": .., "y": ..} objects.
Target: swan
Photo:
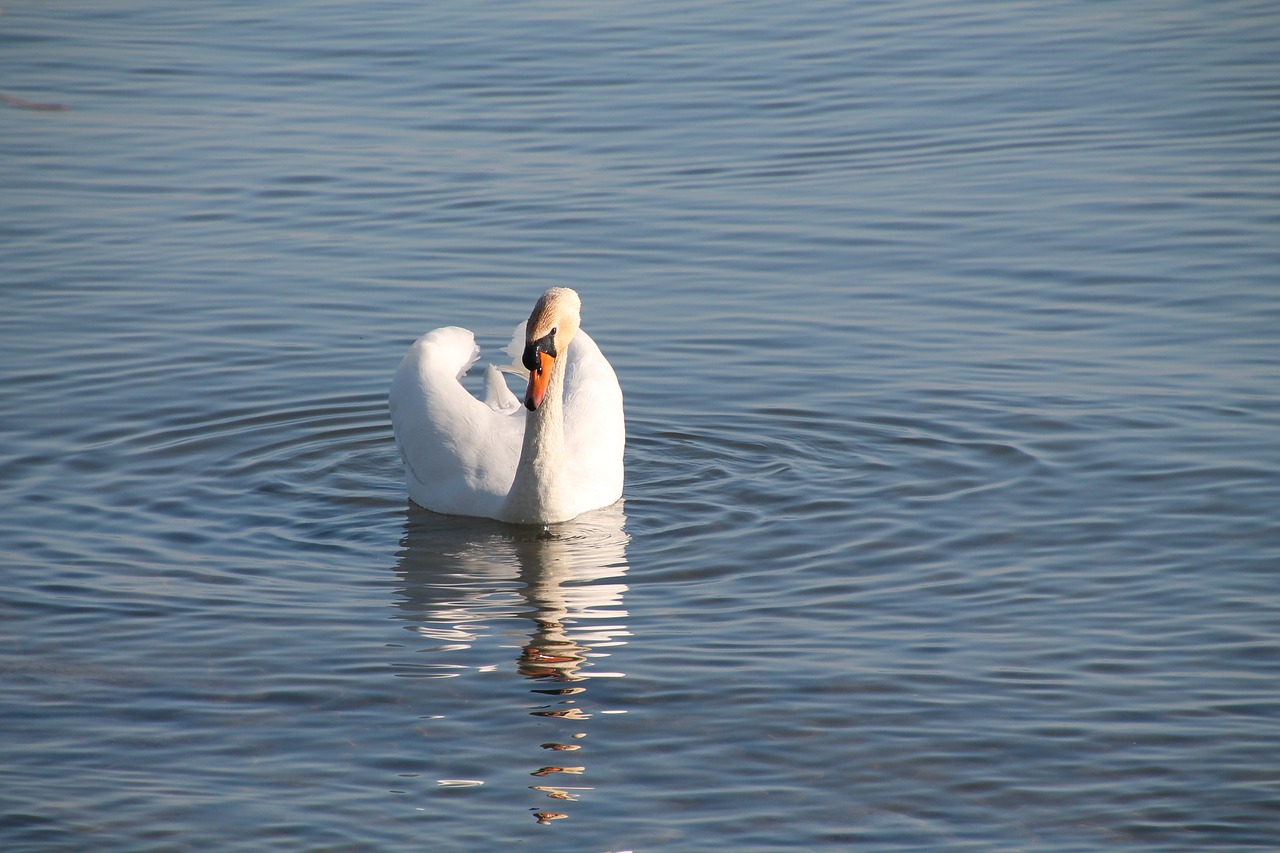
[{"x": 555, "y": 457}]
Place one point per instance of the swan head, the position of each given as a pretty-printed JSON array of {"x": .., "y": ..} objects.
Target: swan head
[{"x": 552, "y": 325}]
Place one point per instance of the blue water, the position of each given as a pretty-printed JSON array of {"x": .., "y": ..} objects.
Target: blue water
[{"x": 950, "y": 340}]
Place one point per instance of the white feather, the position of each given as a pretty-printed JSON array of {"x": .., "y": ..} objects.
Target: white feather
[{"x": 461, "y": 455}]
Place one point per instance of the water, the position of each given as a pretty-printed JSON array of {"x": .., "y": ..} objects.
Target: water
[{"x": 949, "y": 342}]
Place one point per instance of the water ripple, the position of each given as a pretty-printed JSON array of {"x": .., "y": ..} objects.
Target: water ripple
[{"x": 948, "y": 336}]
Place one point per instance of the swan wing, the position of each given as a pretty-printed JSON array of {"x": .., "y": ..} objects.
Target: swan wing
[
  {"x": 498, "y": 395},
  {"x": 460, "y": 454},
  {"x": 594, "y": 425}
]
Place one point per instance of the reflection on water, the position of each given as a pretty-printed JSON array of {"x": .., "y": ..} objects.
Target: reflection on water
[
  {"x": 466, "y": 580},
  {"x": 981, "y": 556}
]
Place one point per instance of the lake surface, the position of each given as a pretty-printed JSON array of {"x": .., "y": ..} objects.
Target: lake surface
[{"x": 950, "y": 339}]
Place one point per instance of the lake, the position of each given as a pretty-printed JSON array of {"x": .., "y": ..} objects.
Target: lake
[{"x": 950, "y": 342}]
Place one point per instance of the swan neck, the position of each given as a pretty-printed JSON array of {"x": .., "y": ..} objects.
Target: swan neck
[{"x": 537, "y": 493}]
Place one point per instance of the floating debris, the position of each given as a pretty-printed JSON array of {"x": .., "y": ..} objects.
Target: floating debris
[{"x": 23, "y": 103}]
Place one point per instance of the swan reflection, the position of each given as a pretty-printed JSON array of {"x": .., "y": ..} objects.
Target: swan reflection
[{"x": 468, "y": 584}]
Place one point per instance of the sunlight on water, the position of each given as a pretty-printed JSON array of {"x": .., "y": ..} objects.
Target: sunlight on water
[
  {"x": 948, "y": 339},
  {"x": 559, "y": 586}
]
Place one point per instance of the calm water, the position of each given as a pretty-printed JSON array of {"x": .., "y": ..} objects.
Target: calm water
[{"x": 950, "y": 337}]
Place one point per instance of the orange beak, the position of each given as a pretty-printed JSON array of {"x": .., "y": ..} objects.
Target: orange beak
[{"x": 539, "y": 379}]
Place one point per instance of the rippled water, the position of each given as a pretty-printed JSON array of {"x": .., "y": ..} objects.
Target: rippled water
[{"x": 949, "y": 338}]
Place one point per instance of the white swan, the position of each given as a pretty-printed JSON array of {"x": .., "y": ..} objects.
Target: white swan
[{"x": 493, "y": 459}]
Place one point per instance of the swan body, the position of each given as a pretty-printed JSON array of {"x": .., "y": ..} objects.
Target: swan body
[{"x": 550, "y": 459}]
